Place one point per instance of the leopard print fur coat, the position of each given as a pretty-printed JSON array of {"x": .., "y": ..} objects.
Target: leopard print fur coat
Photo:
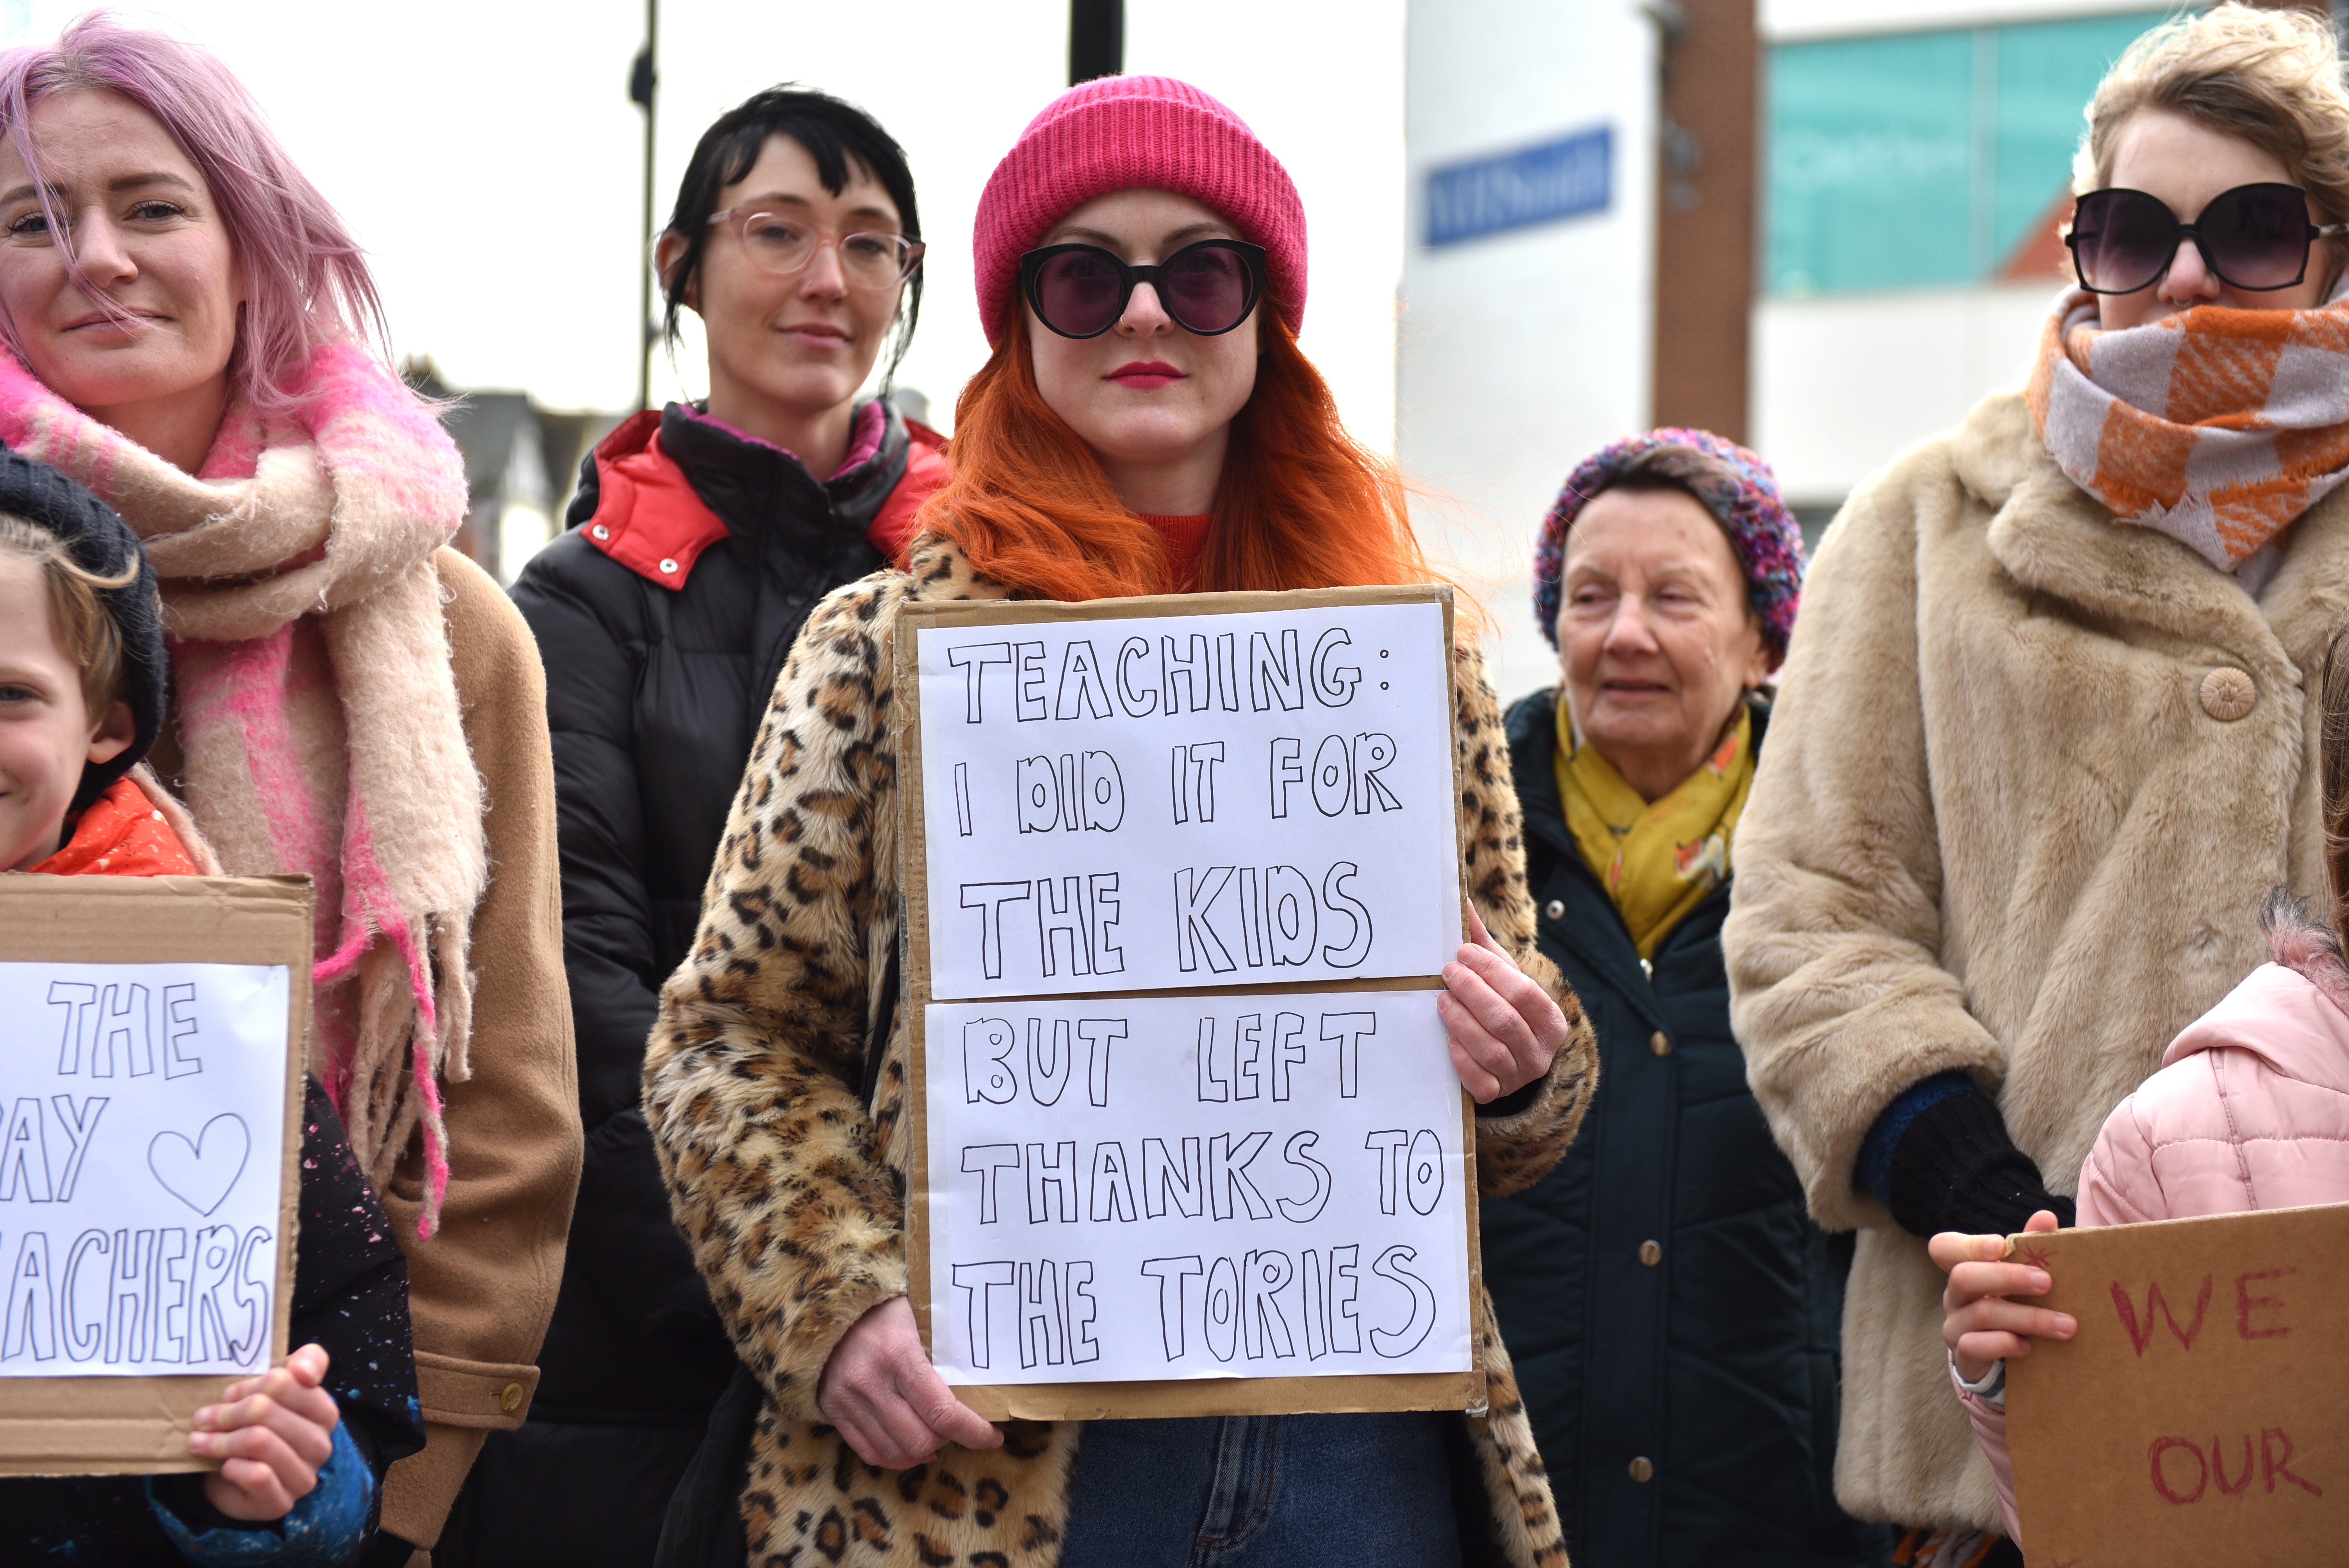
[{"x": 791, "y": 1196}]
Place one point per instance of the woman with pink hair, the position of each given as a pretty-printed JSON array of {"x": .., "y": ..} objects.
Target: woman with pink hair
[{"x": 189, "y": 321}]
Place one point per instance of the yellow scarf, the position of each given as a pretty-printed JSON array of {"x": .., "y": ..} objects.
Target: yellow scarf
[{"x": 1656, "y": 859}]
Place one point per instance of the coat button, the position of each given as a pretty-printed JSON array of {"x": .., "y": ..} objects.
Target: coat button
[
  {"x": 1651, "y": 1254},
  {"x": 669, "y": 566},
  {"x": 1555, "y": 909},
  {"x": 1643, "y": 1471},
  {"x": 510, "y": 1397},
  {"x": 600, "y": 531},
  {"x": 2227, "y": 694},
  {"x": 1659, "y": 1044}
]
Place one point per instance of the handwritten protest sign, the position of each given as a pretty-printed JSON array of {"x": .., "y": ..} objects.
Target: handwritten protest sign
[
  {"x": 1178, "y": 1187},
  {"x": 150, "y": 1062},
  {"x": 1188, "y": 801},
  {"x": 2197, "y": 1417},
  {"x": 1181, "y": 872}
]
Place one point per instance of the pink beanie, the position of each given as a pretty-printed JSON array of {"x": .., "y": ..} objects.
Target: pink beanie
[{"x": 1122, "y": 133}]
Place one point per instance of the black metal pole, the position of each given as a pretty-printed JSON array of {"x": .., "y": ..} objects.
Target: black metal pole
[
  {"x": 1096, "y": 39},
  {"x": 642, "y": 78}
]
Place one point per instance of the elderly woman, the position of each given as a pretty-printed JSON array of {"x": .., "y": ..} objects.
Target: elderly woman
[
  {"x": 2044, "y": 743},
  {"x": 1671, "y": 1310}
]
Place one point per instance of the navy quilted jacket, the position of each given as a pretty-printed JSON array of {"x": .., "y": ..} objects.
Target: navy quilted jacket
[{"x": 1673, "y": 1312}]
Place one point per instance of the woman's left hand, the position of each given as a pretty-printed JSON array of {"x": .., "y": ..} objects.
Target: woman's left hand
[{"x": 1504, "y": 1026}]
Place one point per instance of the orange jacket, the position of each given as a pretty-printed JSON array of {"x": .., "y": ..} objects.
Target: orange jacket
[{"x": 122, "y": 834}]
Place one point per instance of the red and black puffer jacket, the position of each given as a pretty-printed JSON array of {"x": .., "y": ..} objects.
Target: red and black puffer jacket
[{"x": 663, "y": 615}]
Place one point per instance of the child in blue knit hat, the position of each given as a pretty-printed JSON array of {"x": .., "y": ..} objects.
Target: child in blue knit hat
[{"x": 82, "y": 679}]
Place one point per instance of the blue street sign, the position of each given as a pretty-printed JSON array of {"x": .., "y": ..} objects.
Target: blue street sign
[{"x": 1561, "y": 179}]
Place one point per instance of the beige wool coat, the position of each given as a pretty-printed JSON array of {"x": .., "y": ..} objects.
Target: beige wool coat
[
  {"x": 481, "y": 1292},
  {"x": 2030, "y": 773},
  {"x": 792, "y": 1194}
]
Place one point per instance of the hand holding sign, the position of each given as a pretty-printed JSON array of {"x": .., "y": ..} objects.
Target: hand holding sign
[
  {"x": 1504, "y": 1028},
  {"x": 879, "y": 1389},
  {"x": 1979, "y": 1324},
  {"x": 151, "y": 1040},
  {"x": 2195, "y": 1417},
  {"x": 272, "y": 1434}
]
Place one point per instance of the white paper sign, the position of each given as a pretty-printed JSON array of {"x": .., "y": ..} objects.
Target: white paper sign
[
  {"x": 141, "y": 1166},
  {"x": 1195, "y": 1186},
  {"x": 1187, "y": 801}
]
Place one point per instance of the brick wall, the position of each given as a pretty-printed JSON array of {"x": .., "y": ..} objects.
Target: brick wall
[{"x": 1705, "y": 215}]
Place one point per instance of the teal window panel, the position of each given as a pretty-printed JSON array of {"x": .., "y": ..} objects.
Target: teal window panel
[
  {"x": 1912, "y": 159},
  {"x": 1870, "y": 163},
  {"x": 2045, "y": 74}
]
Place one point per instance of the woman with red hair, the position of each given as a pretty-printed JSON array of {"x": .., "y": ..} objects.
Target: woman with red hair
[{"x": 1143, "y": 425}]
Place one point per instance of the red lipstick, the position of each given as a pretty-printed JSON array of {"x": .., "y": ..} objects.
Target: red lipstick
[{"x": 1145, "y": 375}]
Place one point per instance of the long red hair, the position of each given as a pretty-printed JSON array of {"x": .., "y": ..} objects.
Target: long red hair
[{"x": 1301, "y": 504}]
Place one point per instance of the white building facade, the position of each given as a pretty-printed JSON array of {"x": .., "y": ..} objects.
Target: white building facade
[
  {"x": 1915, "y": 162},
  {"x": 1523, "y": 339},
  {"x": 1911, "y": 162}
]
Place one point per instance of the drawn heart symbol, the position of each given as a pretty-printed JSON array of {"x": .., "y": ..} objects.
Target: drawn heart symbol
[{"x": 199, "y": 1174}]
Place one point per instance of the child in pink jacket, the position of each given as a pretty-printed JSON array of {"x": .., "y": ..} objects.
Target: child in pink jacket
[{"x": 2250, "y": 1110}]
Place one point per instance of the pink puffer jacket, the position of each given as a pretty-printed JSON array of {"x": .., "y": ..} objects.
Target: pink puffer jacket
[{"x": 2250, "y": 1110}]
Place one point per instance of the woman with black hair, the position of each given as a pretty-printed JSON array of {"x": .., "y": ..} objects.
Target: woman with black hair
[{"x": 702, "y": 536}]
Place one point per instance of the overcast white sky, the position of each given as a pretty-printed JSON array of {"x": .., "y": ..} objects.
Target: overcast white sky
[{"x": 489, "y": 159}]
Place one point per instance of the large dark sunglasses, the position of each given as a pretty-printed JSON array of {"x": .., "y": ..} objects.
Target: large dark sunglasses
[
  {"x": 1080, "y": 291},
  {"x": 2254, "y": 237}
]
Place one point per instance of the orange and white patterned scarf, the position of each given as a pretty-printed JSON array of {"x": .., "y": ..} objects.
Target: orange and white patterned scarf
[{"x": 2218, "y": 427}]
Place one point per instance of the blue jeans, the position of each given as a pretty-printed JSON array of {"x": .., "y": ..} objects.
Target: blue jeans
[{"x": 1263, "y": 1491}]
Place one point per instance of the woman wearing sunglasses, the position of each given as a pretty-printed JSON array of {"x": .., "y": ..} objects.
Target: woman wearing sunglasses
[
  {"x": 1145, "y": 424},
  {"x": 702, "y": 535},
  {"x": 2043, "y": 744}
]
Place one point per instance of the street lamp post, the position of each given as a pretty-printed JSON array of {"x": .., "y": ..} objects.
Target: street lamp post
[
  {"x": 1096, "y": 39},
  {"x": 642, "y": 81}
]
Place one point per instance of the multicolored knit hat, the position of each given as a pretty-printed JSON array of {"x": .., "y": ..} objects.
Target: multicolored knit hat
[
  {"x": 1123, "y": 133},
  {"x": 1768, "y": 544}
]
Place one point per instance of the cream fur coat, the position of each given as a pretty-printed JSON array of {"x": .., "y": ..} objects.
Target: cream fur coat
[{"x": 2015, "y": 818}]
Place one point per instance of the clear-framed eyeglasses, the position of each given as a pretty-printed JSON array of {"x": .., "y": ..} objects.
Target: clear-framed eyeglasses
[{"x": 779, "y": 244}]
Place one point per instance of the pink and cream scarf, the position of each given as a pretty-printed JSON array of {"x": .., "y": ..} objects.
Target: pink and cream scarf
[
  {"x": 2218, "y": 427},
  {"x": 319, "y": 718}
]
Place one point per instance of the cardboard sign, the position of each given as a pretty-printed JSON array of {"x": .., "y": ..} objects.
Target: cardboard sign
[
  {"x": 1203, "y": 799},
  {"x": 1197, "y": 1187},
  {"x": 2197, "y": 1417},
  {"x": 1180, "y": 875},
  {"x": 152, "y": 1034}
]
